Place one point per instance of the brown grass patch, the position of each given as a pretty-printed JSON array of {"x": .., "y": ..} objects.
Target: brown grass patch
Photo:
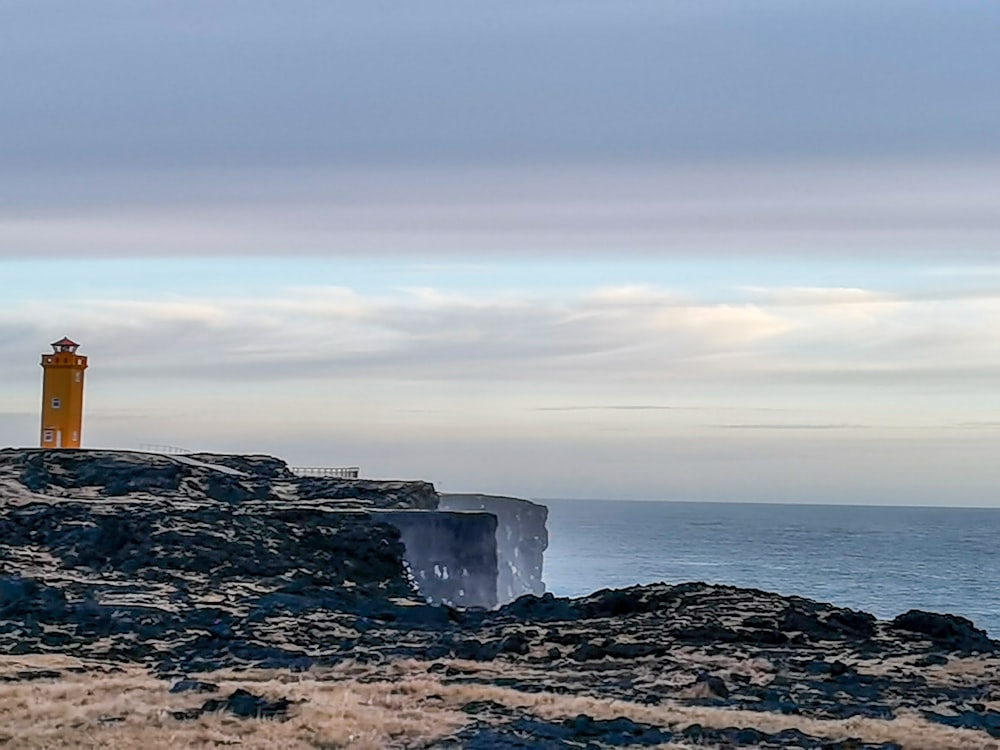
[
  {"x": 356, "y": 707},
  {"x": 131, "y": 709}
]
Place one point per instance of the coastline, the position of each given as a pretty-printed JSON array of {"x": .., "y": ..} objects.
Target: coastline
[
  {"x": 884, "y": 560},
  {"x": 154, "y": 603}
]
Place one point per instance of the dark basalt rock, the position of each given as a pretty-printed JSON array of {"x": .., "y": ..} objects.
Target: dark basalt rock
[
  {"x": 734, "y": 737},
  {"x": 713, "y": 685},
  {"x": 931, "y": 660},
  {"x": 370, "y": 493},
  {"x": 472, "y": 649},
  {"x": 515, "y": 643},
  {"x": 149, "y": 542},
  {"x": 587, "y": 651},
  {"x": 264, "y": 467},
  {"x": 247, "y": 705},
  {"x": 31, "y": 675},
  {"x": 705, "y": 634},
  {"x": 117, "y": 473},
  {"x": 226, "y": 488},
  {"x": 452, "y": 555},
  {"x": 581, "y": 731},
  {"x": 616, "y": 603},
  {"x": 830, "y": 625},
  {"x": 987, "y": 721},
  {"x": 239, "y": 703},
  {"x": 585, "y": 731},
  {"x": 545, "y": 608},
  {"x": 31, "y": 600},
  {"x": 194, "y": 686},
  {"x": 949, "y": 632}
]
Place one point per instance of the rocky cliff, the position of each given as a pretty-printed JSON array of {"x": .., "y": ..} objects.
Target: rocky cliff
[
  {"x": 238, "y": 518},
  {"x": 522, "y": 539},
  {"x": 452, "y": 556}
]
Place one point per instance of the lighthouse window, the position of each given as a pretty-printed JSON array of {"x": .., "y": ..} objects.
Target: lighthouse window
[
  {"x": 56, "y": 403},
  {"x": 79, "y": 361},
  {"x": 77, "y": 377},
  {"x": 47, "y": 436},
  {"x": 76, "y": 435}
]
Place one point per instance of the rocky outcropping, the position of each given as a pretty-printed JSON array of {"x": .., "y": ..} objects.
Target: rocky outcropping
[
  {"x": 140, "y": 512},
  {"x": 770, "y": 671},
  {"x": 31, "y": 474}
]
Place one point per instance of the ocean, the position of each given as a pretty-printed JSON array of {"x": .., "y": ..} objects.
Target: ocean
[{"x": 884, "y": 560}]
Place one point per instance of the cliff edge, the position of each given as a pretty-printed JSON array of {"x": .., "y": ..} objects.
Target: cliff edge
[{"x": 138, "y": 511}]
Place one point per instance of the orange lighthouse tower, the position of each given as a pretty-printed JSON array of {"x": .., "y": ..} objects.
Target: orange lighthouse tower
[{"x": 62, "y": 395}]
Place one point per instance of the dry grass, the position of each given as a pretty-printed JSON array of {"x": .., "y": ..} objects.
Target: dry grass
[
  {"x": 910, "y": 730},
  {"x": 356, "y": 707},
  {"x": 131, "y": 709},
  {"x": 964, "y": 670}
]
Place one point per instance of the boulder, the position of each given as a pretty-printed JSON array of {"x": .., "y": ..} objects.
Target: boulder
[
  {"x": 248, "y": 706},
  {"x": 948, "y": 632}
]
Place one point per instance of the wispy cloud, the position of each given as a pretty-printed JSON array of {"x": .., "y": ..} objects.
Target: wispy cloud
[
  {"x": 631, "y": 334},
  {"x": 618, "y": 407},
  {"x": 432, "y": 217},
  {"x": 789, "y": 426}
]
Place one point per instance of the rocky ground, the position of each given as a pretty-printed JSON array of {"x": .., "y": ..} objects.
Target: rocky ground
[{"x": 188, "y": 607}]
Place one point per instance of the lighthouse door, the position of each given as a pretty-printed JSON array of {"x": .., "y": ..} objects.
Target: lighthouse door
[{"x": 58, "y": 438}]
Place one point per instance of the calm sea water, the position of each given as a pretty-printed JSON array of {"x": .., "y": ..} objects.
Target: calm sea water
[{"x": 881, "y": 560}]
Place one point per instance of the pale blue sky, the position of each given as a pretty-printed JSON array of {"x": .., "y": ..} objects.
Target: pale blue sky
[{"x": 641, "y": 249}]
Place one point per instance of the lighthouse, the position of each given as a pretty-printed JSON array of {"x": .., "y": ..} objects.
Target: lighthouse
[{"x": 62, "y": 395}]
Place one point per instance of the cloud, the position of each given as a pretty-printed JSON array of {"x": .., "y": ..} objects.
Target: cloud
[
  {"x": 653, "y": 128},
  {"x": 788, "y": 426},
  {"x": 314, "y": 332},
  {"x": 820, "y": 296},
  {"x": 615, "y": 407},
  {"x": 942, "y": 209},
  {"x": 639, "y": 335},
  {"x": 840, "y": 299},
  {"x": 252, "y": 83}
]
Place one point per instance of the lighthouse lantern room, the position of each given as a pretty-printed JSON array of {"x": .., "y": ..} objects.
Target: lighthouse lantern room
[{"x": 62, "y": 395}]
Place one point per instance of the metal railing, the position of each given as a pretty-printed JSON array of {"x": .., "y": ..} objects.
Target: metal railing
[
  {"x": 337, "y": 472},
  {"x": 166, "y": 449}
]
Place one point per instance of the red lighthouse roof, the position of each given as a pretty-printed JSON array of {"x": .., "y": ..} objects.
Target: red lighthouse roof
[{"x": 65, "y": 344}]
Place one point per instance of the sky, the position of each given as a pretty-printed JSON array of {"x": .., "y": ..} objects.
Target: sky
[{"x": 649, "y": 249}]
